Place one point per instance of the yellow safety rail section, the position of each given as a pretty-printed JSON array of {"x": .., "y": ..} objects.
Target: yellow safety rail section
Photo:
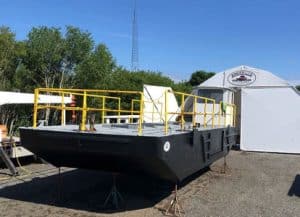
[
  {"x": 209, "y": 111},
  {"x": 226, "y": 114},
  {"x": 85, "y": 95},
  {"x": 212, "y": 114},
  {"x": 152, "y": 112}
]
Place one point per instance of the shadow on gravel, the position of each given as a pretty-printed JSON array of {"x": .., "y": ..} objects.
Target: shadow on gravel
[
  {"x": 295, "y": 187},
  {"x": 87, "y": 190}
]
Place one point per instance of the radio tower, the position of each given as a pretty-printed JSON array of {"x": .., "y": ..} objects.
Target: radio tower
[{"x": 135, "y": 49}]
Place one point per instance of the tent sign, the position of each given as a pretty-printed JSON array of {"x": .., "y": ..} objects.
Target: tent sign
[{"x": 242, "y": 78}]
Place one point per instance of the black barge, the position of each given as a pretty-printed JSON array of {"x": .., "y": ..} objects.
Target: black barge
[
  {"x": 118, "y": 148},
  {"x": 165, "y": 141}
]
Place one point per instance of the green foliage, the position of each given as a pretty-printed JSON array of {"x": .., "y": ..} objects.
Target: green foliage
[
  {"x": 10, "y": 53},
  {"x": 182, "y": 86},
  {"x": 298, "y": 87},
  {"x": 126, "y": 80},
  {"x": 95, "y": 71},
  {"x": 200, "y": 76},
  {"x": 45, "y": 52},
  {"x": 51, "y": 57}
]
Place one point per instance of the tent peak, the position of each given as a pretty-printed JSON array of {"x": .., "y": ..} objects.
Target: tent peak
[{"x": 243, "y": 76}]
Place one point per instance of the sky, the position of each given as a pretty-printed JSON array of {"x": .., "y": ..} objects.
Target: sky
[{"x": 177, "y": 37}]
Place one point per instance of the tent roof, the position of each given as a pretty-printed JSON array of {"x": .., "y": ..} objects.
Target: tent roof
[{"x": 243, "y": 76}]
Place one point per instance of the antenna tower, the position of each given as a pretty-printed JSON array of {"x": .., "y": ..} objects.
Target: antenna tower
[{"x": 135, "y": 49}]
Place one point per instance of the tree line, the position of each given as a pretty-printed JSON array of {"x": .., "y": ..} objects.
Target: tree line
[{"x": 67, "y": 58}]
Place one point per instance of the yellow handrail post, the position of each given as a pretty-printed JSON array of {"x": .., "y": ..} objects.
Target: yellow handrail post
[
  {"x": 205, "y": 105},
  {"x": 194, "y": 111},
  {"x": 131, "y": 112},
  {"x": 83, "y": 118},
  {"x": 182, "y": 112},
  {"x": 63, "y": 111},
  {"x": 35, "y": 107},
  {"x": 234, "y": 115},
  {"x": 103, "y": 109},
  {"x": 166, "y": 112},
  {"x": 140, "y": 129},
  {"x": 119, "y": 110}
]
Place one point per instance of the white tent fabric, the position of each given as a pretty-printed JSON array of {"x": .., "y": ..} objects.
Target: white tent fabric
[
  {"x": 269, "y": 109},
  {"x": 270, "y": 120},
  {"x": 154, "y": 104},
  {"x": 259, "y": 78}
]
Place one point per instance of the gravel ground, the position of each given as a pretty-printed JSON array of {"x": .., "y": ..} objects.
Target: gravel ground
[{"x": 255, "y": 184}]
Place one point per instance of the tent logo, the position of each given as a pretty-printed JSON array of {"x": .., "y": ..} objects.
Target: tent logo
[{"x": 242, "y": 78}]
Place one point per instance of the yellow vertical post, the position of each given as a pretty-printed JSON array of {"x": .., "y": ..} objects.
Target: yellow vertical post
[
  {"x": 63, "y": 109},
  {"x": 166, "y": 112},
  {"x": 83, "y": 118},
  {"x": 234, "y": 115},
  {"x": 131, "y": 112},
  {"x": 194, "y": 111},
  {"x": 119, "y": 110},
  {"x": 213, "y": 114},
  {"x": 35, "y": 107},
  {"x": 103, "y": 109},
  {"x": 140, "y": 129},
  {"x": 205, "y": 113},
  {"x": 182, "y": 111}
]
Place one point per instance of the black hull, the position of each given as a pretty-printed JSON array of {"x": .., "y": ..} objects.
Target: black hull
[{"x": 189, "y": 152}]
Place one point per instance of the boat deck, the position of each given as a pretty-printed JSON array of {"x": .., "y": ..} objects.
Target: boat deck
[{"x": 153, "y": 130}]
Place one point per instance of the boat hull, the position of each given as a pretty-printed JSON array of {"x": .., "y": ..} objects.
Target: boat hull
[{"x": 169, "y": 157}]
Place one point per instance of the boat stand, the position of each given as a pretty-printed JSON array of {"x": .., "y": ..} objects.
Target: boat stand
[
  {"x": 9, "y": 164},
  {"x": 114, "y": 196},
  {"x": 174, "y": 208},
  {"x": 225, "y": 166},
  {"x": 59, "y": 185}
]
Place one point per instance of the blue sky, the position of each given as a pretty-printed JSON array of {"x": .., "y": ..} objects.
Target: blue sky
[{"x": 178, "y": 37}]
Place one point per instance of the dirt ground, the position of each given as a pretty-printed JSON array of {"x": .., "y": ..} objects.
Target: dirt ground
[{"x": 255, "y": 184}]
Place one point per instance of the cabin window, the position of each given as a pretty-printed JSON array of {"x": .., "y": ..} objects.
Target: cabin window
[{"x": 211, "y": 93}]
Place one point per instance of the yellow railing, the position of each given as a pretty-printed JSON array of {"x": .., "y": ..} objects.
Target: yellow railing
[
  {"x": 204, "y": 112},
  {"x": 85, "y": 94},
  {"x": 227, "y": 117},
  {"x": 227, "y": 112},
  {"x": 153, "y": 111}
]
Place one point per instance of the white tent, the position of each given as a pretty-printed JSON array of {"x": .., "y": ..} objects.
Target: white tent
[
  {"x": 268, "y": 109},
  {"x": 154, "y": 104}
]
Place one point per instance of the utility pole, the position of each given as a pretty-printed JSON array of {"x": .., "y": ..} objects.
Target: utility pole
[{"x": 135, "y": 49}]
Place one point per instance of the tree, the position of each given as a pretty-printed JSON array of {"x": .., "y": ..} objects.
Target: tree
[
  {"x": 200, "y": 76},
  {"x": 183, "y": 86},
  {"x": 51, "y": 57},
  {"x": 45, "y": 52},
  {"x": 298, "y": 87},
  {"x": 96, "y": 70},
  {"x": 10, "y": 53},
  {"x": 78, "y": 47}
]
